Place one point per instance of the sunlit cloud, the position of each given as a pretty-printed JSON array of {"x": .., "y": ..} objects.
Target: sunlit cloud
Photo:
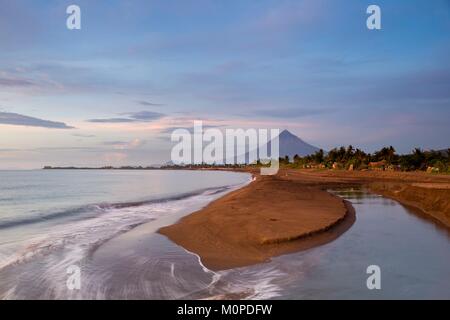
[{"x": 310, "y": 66}]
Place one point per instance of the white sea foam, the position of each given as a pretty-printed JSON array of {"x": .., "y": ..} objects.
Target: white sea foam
[
  {"x": 71, "y": 242},
  {"x": 80, "y": 236}
]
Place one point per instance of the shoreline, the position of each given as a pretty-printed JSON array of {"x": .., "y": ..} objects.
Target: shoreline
[
  {"x": 247, "y": 227},
  {"x": 433, "y": 204},
  {"x": 430, "y": 194},
  {"x": 238, "y": 229}
]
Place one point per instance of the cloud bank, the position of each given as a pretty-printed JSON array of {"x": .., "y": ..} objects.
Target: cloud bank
[
  {"x": 16, "y": 119},
  {"x": 148, "y": 103},
  {"x": 140, "y": 116}
]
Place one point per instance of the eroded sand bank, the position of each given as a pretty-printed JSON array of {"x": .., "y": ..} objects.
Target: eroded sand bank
[
  {"x": 292, "y": 211},
  {"x": 269, "y": 217}
]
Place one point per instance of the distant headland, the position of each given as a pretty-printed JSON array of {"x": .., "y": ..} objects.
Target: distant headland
[{"x": 103, "y": 168}]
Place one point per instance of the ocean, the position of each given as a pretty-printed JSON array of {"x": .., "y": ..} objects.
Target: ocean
[
  {"x": 52, "y": 219},
  {"x": 105, "y": 223}
]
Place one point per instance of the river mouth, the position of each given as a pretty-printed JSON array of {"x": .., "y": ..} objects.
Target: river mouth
[{"x": 412, "y": 253}]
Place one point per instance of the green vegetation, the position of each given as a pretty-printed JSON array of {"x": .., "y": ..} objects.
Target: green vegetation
[
  {"x": 385, "y": 159},
  {"x": 338, "y": 158}
]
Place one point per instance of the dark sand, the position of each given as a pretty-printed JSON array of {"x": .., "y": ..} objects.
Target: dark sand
[
  {"x": 292, "y": 211},
  {"x": 269, "y": 217},
  {"x": 429, "y": 193}
]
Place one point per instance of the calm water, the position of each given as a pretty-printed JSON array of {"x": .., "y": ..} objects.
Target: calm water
[
  {"x": 121, "y": 257},
  {"x": 412, "y": 252}
]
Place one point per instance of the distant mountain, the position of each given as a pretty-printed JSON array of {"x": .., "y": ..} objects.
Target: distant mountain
[{"x": 290, "y": 145}]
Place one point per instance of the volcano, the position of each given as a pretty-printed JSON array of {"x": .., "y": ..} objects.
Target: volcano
[{"x": 290, "y": 145}]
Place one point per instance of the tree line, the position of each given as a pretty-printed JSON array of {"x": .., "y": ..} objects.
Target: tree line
[{"x": 385, "y": 159}]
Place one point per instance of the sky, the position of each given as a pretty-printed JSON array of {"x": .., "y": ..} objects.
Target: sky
[{"x": 111, "y": 93}]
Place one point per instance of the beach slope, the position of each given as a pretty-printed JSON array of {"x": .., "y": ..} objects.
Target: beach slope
[{"x": 269, "y": 217}]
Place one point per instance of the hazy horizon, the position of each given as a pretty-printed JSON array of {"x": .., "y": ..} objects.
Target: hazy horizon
[{"x": 111, "y": 93}]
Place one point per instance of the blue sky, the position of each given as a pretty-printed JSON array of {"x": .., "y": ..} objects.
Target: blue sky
[{"x": 108, "y": 93}]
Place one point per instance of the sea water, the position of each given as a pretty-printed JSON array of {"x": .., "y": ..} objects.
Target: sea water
[
  {"x": 53, "y": 219},
  {"x": 106, "y": 222}
]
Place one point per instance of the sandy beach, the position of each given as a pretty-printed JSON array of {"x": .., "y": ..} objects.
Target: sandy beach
[
  {"x": 427, "y": 193},
  {"x": 292, "y": 211},
  {"x": 269, "y": 217}
]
